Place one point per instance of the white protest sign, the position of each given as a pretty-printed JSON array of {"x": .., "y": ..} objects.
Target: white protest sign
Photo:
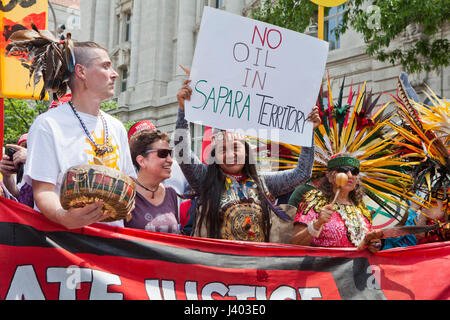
[{"x": 248, "y": 74}]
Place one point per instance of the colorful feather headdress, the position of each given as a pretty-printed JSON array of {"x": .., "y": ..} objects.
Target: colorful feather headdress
[
  {"x": 360, "y": 128},
  {"x": 46, "y": 58},
  {"x": 424, "y": 140}
]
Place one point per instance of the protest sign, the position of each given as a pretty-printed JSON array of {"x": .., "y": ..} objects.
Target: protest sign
[{"x": 252, "y": 76}]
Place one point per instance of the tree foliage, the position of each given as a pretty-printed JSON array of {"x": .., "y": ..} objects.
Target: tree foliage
[
  {"x": 380, "y": 23},
  {"x": 20, "y": 115}
]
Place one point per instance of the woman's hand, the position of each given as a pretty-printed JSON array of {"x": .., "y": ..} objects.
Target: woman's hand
[
  {"x": 374, "y": 245},
  {"x": 324, "y": 216},
  {"x": 314, "y": 117},
  {"x": 7, "y": 167},
  {"x": 184, "y": 93},
  {"x": 372, "y": 240},
  {"x": 20, "y": 156}
]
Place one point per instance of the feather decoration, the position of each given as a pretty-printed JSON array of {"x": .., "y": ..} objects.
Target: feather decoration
[
  {"x": 46, "y": 59},
  {"x": 423, "y": 140},
  {"x": 278, "y": 211},
  {"x": 366, "y": 132}
]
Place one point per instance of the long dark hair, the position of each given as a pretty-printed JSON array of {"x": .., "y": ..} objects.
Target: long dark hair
[{"x": 212, "y": 190}]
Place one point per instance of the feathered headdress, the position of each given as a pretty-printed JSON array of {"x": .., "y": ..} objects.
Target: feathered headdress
[
  {"x": 359, "y": 128},
  {"x": 46, "y": 58},
  {"x": 424, "y": 140},
  {"x": 362, "y": 130}
]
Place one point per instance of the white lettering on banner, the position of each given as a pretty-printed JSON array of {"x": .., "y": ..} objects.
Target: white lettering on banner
[
  {"x": 242, "y": 292},
  {"x": 25, "y": 285},
  {"x": 190, "y": 288},
  {"x": 214, "y": 287},
  {"x": 70, "y": 279},
  {"x": 168, "y": 289},
  {"x": 152, "y": 288},
  {"x": 284, "y": 293},
  {"x": 310, "y": 293},
  {"x": 100, "y": 283}
]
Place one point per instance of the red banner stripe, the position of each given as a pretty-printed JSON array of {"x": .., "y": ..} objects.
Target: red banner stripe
[{"x": 38, "y": 258}]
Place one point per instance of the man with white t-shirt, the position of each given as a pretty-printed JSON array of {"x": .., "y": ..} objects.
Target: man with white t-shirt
[{"x": 75, "y": 133}]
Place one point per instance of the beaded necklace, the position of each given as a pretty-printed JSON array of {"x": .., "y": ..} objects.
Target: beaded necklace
[
  {"x": 148, "y": 189},
  {"x": 354, "y": 222},
  {"x": 100, "y": 150}
]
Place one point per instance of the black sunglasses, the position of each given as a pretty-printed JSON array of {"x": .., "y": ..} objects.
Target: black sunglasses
[
  {"x": 162, "y": 153},
  {"x": 354, "y": 171}
]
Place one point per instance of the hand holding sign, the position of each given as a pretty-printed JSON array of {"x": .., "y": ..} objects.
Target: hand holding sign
[
  {"x": 314, "y": 117},
  {"x": 184, "y": 93}
]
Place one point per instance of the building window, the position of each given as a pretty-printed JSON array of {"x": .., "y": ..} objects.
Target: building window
[
  {"x": 219, "y": 4},
  {"x": 127, "y": 29},
  {"x": 117, "y": 30},
  {"x": 332, "y": 20},
  {"x": 123, "y": 79}
]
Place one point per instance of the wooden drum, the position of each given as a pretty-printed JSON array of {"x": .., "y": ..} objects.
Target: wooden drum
[{"x": 85, "y": 184}]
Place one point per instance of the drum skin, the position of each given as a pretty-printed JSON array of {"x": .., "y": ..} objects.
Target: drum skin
[{"x": 85, "y": 184}]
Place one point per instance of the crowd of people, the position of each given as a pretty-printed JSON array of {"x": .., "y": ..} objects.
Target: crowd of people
[{"x": 228, "y": 198}]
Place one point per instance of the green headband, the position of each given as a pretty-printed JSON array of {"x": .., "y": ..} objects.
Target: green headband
[{"x": 343, "y": 162}]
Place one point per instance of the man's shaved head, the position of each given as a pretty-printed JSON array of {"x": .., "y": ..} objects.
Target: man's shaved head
[{"x": 83, "y": 52}]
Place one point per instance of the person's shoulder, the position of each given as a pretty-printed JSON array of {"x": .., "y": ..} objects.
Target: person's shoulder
[
  {"x": 54, "y": 113},
  {"x": 170, "y": 190},
  {"x": 313, "y": 199},
  {"x": 49, "y": 119},
  {"x": 314, "y": 194}
]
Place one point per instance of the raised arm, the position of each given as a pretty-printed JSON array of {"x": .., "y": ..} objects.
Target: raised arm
[
  {"x": 193, "y": 169},
  {"x": 279, "y": 183}
]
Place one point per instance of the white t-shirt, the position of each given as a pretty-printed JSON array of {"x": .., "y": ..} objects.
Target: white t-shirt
[{"x": 56, "y": 142}]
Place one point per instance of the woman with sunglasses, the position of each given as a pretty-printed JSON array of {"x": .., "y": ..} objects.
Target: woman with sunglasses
[
  {"x": 344, "y": 223},
  {"x": 156, "y": 206},
  {"x": 234, "y": 200}
]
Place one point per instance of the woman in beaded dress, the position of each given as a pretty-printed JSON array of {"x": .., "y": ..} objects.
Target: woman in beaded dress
[{"x": 346, "y": 222}]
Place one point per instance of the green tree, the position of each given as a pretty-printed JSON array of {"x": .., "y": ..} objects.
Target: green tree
[
  {"x": 19, "y": 116},
  {"x": 379, "y": 23}
]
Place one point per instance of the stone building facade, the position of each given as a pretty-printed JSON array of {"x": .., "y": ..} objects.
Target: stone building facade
[
  {"x": 67, "y": 16},
  {"x": 149, "y": 39}
]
